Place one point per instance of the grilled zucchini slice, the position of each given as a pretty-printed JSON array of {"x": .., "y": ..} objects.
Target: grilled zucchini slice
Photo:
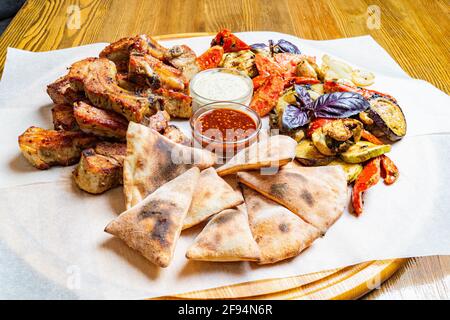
[
  {"x": 308, "y": 155},
  {"x": 363, "y": 150}
]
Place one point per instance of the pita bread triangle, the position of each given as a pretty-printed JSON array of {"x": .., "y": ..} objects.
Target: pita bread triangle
[
  {"x": 226, "y": 237},
  {"x": 274, "y": 151},
  {"x": 317, "y": 194},
  {"x": 280, "y": 234},
  {"x": 153, "y": 160},
  {"x": 211, "y": 196},
  {"x": 153, "y": 226}
]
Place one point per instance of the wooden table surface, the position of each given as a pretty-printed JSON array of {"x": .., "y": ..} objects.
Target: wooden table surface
[{"x": 416, "y": 33}]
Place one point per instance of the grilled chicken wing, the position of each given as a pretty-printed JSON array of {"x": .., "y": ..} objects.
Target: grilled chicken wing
[
  {"x": 45, "y": 148},
  {"x": 103, "y": 123},
  {"x": 100, "y": 169},
  {"x": 63, "y": 118}
]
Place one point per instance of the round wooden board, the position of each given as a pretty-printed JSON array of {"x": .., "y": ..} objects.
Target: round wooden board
[{"x": 344, "y": 283}]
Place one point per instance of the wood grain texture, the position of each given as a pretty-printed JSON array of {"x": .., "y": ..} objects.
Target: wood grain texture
[{"x": 415, "y": 32}]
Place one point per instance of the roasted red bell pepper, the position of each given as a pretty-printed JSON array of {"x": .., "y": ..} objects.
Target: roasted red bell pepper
[
  {"x": 369, "y": 177},
  {"x": 389, "y": 171},
  {"x": 229, "y": 42},
  {"x": 366, "y": 135},
  {"x": 210, "y": 58}
]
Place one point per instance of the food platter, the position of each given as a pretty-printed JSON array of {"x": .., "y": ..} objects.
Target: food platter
[
  {"x": 347, "y": 283},
  {"x": 304, "y": 197}
]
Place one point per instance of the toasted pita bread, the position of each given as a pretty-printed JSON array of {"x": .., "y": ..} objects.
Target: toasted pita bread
[
  {"x": 153, "y": 226},
  {"x": 279, "y": 233},
  {"x": 226, "y": 237},
  {"x": 274, "y": 151},
  {"x": 153, "y": 160},
  {"x": 211, "y": 196},
  {"x": 317, "y": 194}
]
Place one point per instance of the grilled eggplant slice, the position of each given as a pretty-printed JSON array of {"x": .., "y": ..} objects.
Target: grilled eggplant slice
[
  {"x": 63, "y": 118},
  {"x": 388, "y": 117},
  {"x": 363, "y": 151},
  {"x": 308, "y": 155},
  {"x": 352, "y": 170},
  {"x": 103, "y": 123},
  {"x": 45, "y": 148}
]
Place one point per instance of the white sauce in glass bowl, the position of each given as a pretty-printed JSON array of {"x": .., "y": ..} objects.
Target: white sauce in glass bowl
[{"x": 220, "y": 85}]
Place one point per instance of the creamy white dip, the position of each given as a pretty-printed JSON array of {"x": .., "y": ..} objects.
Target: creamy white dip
[{"x": 220, "y": 85}]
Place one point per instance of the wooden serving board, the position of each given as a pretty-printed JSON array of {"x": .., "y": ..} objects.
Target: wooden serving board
[{"x": 350, "y": 282}]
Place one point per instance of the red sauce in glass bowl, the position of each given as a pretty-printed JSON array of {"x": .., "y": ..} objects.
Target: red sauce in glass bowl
[
  {"x": 225, "y": 124},
  {"x": 225, "y": 127}
]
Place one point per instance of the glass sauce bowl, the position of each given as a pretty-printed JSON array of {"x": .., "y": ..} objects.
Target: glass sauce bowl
[{"x": 227, "y": 140}]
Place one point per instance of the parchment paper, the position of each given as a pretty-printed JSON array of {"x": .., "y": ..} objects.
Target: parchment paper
[{"x": 52, "y": 243}]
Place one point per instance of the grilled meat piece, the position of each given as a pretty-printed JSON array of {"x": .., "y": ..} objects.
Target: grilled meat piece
[
  {"x": 176, "y": 135},
  {"x": 100, "y": 169},
  {"x": 114, "y": 150},
  {"x": 177, "y": 104},
  {"x": 63, "y": 118},
  {"x": 69, "y": 88},
  {"x": 103, "y": 91},
  {"x": 119, "y": 51},
  {"x": 146, "y": 70},
  {"x": 45, "y": 148},
  {"x": 159, "y": 121},
  {"x": 103, "y": 123},
  {"x": 184, "y": 59}
]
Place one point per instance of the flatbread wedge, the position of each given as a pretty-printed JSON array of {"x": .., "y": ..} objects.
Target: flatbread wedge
[
  {"x": 280, "y": 234},
  {"x": 274, "y": 152},
  {"x": 212, "y": 195},
  {"x": 317, "y": 194},
  {"x": 153, "y": 160},
  {"x": 153, "y": 226},
  {"x": 226, "y": 237}
]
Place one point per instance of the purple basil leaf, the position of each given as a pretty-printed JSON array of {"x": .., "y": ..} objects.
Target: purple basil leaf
[
  {"x": 339, "y": 105},
  {"x": 303, "y": 98},
  {"x": 259, "y": 46},
  {"x": 294, "y": 117},
  {"x": 286, "y": 46}
]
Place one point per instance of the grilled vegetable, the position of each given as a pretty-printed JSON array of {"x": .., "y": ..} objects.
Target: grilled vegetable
[
  {"x": 210, "y": 58},
  {"x": 308, "y": 155},
  {"x": 388, "y": 117},
  {"x": 363, "y": 151},
  {"x": 389, "y": 171},
  {"x": 242, "y": 60},
  {"x": 336, "y": 136},
  {"x": 366, "y": 179},
  {"x": 229, "y": 41},
  {"x": 352, "y": 170}
]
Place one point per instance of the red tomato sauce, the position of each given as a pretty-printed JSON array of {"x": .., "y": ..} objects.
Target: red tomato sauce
[{"x": 227, "y": 125}]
